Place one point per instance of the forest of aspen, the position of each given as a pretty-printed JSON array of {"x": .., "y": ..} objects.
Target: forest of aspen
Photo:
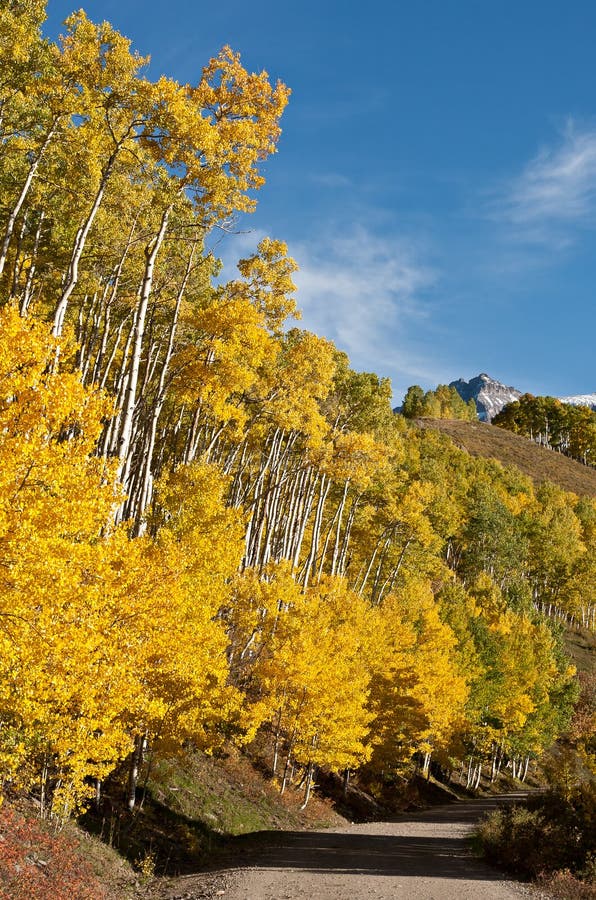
[{"x": 211, "y": 527}]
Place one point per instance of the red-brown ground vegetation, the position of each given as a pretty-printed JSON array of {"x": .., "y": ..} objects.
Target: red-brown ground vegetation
[{"x": 37, "y": 864}]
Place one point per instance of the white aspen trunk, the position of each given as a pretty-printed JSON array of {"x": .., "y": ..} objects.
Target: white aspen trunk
[
  {"x": 103, "y": 346},
  {"x": 325, "y": 484},
  {"x": 210, "y": 453},
  {"x": 292, "y": 742},
  {"x": 227, "y": 457},
  {"x": 109, "y": 442},
  {"x": 268, "y": 525},
  {"x": 371, "y": 563},
  {"x": 19, "y": 261},
  {"x": 276, "y": 502},
  {"x": 382, "y": 557},
  {"x": 133, "y": 772},
  {"x": 308, "y": 785},
  {"x": 28, "y": 289},
  {"x": 343, "y": 556},
  {"x": 130, "y": 398},
  {"x": 255, "y": 526},
  {"x": 231, "y": 458},
  {"x": 251, "y": 538},
  {"x": 43, "y": 787},
  {"x": 149, "y": 368},
  {"x": 345, "y": 784},
  {"x": 390, "y": 581},
  {"x": 478, "y": 776},
  {"x": 83, "y": 327},
  {"x": 108, "y": 366},
  {"x": 296, "y": 499},
  {"x": 192, "y": 438},
  {"x": 284, "y": 780},
  {"x": 256, "y": 557},
  {"x": 336, "y": 547},
  {"x": 115, "y": 282},
  {"x": 12, "y": 217},
  {"x": 289, "y": 513},
  {"x": 304, "y": 516},
  {"x": 88, "y": 333},
  {"x": 330, "y": 530},
  {"x": 285, "y": 512},
  {"x": 493, "y": 767},
  {"x": 72, "y": 275},
  {"x": 275, "y": 499},
  {"x": 470, "y": 769},
  {"x": 237, "y": 489},
  {"x": 305, "y": 503},
  {"x": 248, "y": 538},
  {"x": 275, "y": 754},
  {"x": 272, "y": 513}
]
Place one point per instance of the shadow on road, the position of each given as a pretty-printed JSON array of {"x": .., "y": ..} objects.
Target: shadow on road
[
  {"x": 466, "y": 813},
  {"x": 371, "y": 855},
  {"x": 357, "y": 852}
]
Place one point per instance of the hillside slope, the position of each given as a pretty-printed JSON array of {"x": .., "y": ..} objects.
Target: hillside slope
[{"x": 482, "y": 439}]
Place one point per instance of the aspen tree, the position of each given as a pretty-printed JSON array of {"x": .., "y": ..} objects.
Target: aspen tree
[{"x": 305, "y": 658}]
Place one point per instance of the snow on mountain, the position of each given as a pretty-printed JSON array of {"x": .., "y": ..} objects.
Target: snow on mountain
[
  {"x": 581, "y": 400},
  {"x": 489, "y": 395}
]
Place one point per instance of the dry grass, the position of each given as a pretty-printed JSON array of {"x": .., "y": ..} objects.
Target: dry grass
[
  {"x": 580, "y": 644},
  {"x": 565, "y": 886},
  {"x": 481, "y": 439}
]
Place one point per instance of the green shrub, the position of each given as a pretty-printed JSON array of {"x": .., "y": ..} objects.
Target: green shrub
[{"x": 552, "y": 833}]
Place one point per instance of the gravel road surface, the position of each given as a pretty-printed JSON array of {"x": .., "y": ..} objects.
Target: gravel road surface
[{"x": 416, "y": 856}]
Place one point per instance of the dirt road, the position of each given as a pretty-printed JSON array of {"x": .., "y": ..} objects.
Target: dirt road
[{"x": 419, "y": 856}]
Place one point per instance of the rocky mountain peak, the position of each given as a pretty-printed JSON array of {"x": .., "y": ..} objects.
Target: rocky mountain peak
[{"x": 489, "y": 394}]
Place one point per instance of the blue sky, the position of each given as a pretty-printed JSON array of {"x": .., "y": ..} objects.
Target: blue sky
[{"x": 436, "y": 176}]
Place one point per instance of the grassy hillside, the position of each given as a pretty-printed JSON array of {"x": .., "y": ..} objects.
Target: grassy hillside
[
  {"x": 580, "y": 644},
  {"x": 481, "y": 439},
  {"x": 190, "y": 810}
]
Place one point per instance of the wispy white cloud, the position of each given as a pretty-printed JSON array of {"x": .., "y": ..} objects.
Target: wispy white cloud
[
  {"x": 365, "y": 292},
  {"x": 555, "y": 194},
  {"x": 331, "y": 180}
]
